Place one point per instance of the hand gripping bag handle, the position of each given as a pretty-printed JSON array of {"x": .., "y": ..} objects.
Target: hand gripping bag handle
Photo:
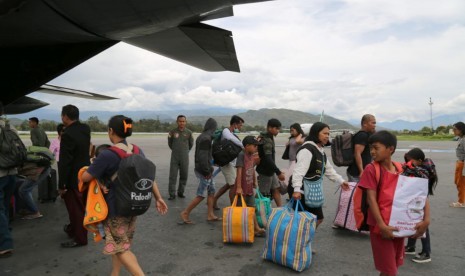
[
  {"x": 259, "y": 195},
  {"x": 234, "y": 204}
]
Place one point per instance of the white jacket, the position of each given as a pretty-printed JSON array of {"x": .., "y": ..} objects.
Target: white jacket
[{"x": 304, "y": 158}]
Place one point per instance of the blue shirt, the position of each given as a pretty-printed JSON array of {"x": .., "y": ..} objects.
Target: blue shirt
[{"x": 103, "y": 168}]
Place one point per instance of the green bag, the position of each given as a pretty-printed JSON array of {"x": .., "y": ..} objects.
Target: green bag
[
  {"x": 262, "y": 209},
  {"x": 40, "y": 155}
]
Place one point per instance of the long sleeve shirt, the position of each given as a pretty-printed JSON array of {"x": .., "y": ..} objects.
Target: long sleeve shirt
[
  {"x": 180, "y": 141},
  {"x": 228, "y": 135},
  {"x": 304, "y": 157},
  {"x": 38, "y": 137}
]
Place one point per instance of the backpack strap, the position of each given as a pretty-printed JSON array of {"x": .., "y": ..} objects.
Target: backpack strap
[
  {"x": 378, "y": 169},
  {"x": 123, "y": 151}
]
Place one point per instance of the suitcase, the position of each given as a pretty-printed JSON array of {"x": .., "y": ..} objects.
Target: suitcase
[
  {"x": 345, "y": 210},
  {"x": 48, "y": 189}
]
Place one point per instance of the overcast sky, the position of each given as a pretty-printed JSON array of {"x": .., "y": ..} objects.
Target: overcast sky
[{"x": 385, "y": 57}]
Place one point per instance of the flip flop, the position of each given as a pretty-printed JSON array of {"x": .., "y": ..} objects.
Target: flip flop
[
  {"x": 6, "y": 254},
  {"x": 215, "y": 219},
  {"x": 457, "y": 205},
  {"x": 184, "y": 222}
]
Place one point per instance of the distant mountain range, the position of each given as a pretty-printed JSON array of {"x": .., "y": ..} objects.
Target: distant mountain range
[
  {"x": 251, "y": 117},
  {"x": 442, "y": 120},
  {"x": 286, "y": 116}
]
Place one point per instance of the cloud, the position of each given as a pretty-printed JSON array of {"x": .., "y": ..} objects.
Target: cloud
[{"x": 346, "y": 57}]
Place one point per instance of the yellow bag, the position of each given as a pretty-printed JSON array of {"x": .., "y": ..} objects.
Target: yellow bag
[{"x": 238, "y": 226}]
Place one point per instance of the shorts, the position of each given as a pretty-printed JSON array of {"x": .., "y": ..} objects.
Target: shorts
[
  {"x": 249, "y": 200},
  {"x": 229, "y": 172},
  {"x": 387, "y": 254},
  {"x": 119, "y": 232},
  {"x": 267, "y": 183},
  {"x": 205, "y": 184}
]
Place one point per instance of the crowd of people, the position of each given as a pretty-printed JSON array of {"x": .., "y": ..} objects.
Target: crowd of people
[{"x": 254, "y": 168}]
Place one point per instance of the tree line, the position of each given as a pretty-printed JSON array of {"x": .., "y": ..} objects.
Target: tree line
[
  {"x": 155, "y": 125},
  {"x": 142, "y": 125}
]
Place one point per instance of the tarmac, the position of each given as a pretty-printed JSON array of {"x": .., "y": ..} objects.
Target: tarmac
[{"x": 165, "y": 248}]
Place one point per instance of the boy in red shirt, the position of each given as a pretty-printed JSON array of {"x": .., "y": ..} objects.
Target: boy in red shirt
[
  {"x": 245, "y": 177},
  {"x": 388, "y": 250}
]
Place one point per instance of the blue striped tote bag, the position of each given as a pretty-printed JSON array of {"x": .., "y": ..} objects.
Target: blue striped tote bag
[{"x": 289, "y": 236}]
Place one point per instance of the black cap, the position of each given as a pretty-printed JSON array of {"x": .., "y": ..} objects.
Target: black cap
[{"x": 250, "y": 140}]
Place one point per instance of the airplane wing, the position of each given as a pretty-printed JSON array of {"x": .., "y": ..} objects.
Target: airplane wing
[
  {"x": 23, "y": 105},
  {"x": 199, "y": 45},
  {"x": 40, "y": 40},
  {"x": 27, "y": 104},
  {"x": 57, "y": 90}
]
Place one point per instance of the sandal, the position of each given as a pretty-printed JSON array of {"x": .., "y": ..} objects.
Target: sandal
[
  {"x": 457, "y": 205},
  {"x": 6, "y": 253}
]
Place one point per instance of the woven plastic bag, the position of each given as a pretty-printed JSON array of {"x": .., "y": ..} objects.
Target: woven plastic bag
[
  {"x": 238, "y": 225},
  {"x": 289, "y": 236}
]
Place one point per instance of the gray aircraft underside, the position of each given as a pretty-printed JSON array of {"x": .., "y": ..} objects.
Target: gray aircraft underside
[{"x": 42, "y": 39}]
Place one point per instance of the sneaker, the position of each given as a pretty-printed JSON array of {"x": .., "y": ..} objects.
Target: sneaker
[
  {"x": 409, "y": 250},
  {"x": 32, "y": 216},
  {"x": 422, "y": 258}
]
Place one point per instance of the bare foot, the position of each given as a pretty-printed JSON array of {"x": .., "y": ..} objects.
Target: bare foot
[
  {"x": 214, "y": 218},
  {"x": 260, "y": 232},
  {"x": 185, "y": 218}
]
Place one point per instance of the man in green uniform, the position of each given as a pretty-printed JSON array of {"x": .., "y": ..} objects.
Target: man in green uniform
[
  {"x": 180, "y": 141},
  {"x": 38, "y": 135}
]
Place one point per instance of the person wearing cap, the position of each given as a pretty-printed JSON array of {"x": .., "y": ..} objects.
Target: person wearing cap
[
  {"x": 268, "y": 172},
  {"x": 74, "y": 154},
  {"x": 246, "y": 180},
  {"x": 38, "y": 136}
]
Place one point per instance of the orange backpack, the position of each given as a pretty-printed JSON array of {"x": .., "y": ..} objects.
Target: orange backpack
[{"x": 360, "y": 198}]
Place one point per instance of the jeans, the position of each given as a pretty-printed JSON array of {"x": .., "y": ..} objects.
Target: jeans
[
  {"x": 425, "y": 243},
  {"x": 7, "y": 187},
  {"x": 25, "y": 190},
  {"x": 205, "y": 184}
]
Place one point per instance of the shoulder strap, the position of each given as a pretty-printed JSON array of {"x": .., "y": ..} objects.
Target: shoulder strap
[
  {"x": 378, "y": 169},
  {"x": 123, "y": 151}
]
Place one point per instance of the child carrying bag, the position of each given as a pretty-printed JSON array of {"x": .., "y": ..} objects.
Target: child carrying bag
[
  {"x": 262, "y": 209},
  {"x": 238, "y": 225},
  {"x": 289, "y": 236}
]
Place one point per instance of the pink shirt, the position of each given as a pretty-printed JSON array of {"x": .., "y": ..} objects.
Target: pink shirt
[{"x": 55, "y": 148}]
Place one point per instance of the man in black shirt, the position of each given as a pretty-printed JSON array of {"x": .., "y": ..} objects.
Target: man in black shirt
[{"x": 362, "y": 156}]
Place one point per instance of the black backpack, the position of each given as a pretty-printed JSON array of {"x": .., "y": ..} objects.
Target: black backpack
[
  {"x": 13, "y": 153},
  {"x": 342, "y": 149},
  {"x": 224, "y": 151},
  {"x": 133, "y": 181}
]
